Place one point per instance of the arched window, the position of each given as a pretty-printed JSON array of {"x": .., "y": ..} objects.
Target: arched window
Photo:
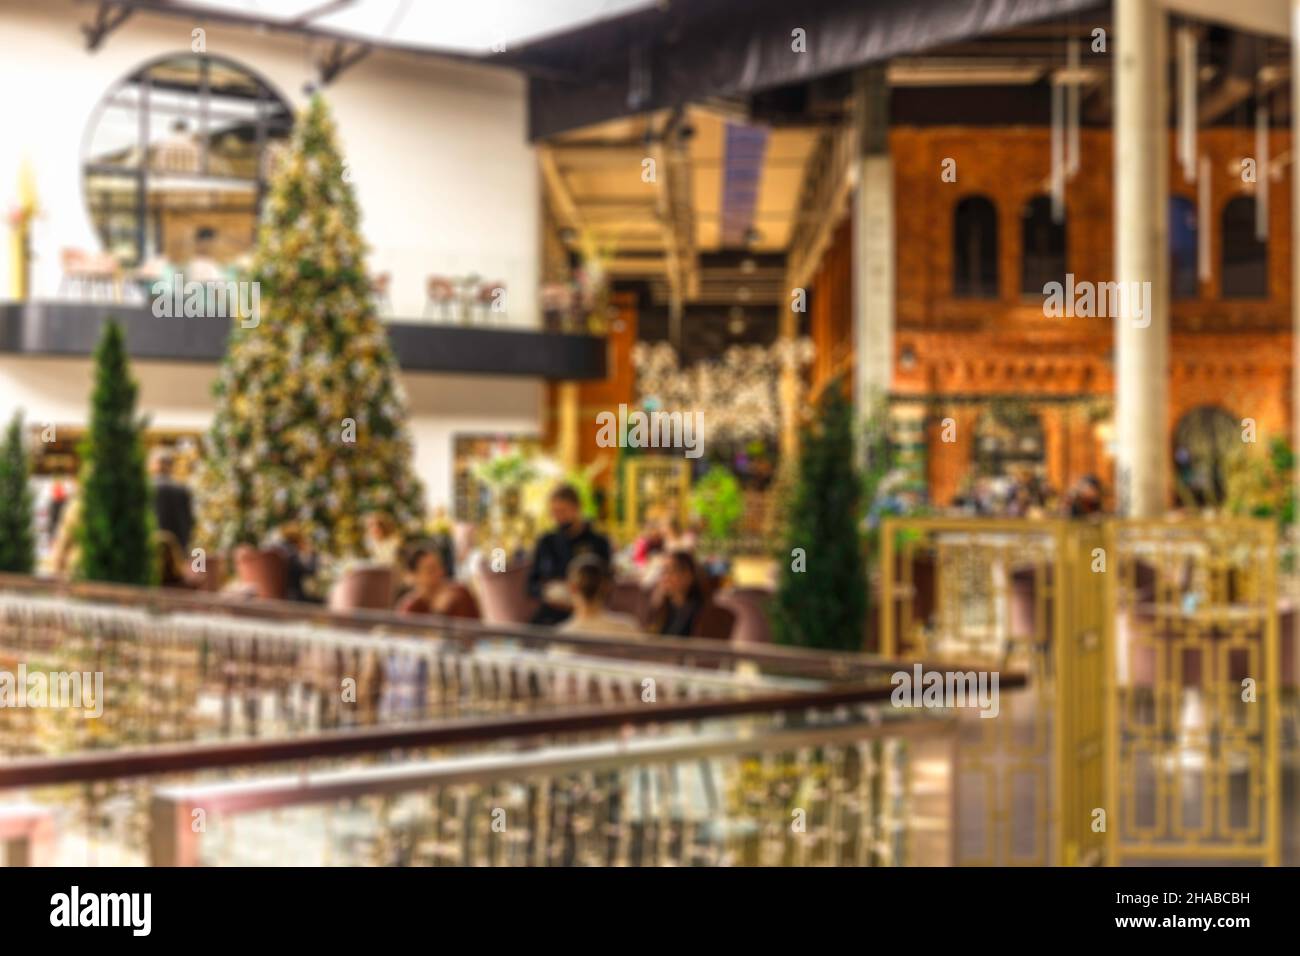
[
  {"x": 1184, "y": 272},
  {"x": 1244, "y": 261},
  {"x": 1043, "y": 246},
  {"x": 177, "y": 157},
  {"x": 1204, "y": 440},
  {"x": 975, "y": 249}
]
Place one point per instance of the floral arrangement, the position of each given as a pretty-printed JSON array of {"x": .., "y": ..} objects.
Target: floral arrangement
[{"x": 505, "y": 470}]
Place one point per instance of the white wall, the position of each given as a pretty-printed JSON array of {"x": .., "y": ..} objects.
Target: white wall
[
  {"x": 445, "y": 405},
  {"x": 179, "y": 396},
  {"x": 440, "y": 160}
]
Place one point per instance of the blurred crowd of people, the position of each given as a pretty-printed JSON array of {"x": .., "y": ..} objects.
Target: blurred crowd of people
[
  {"x": 1029, "y": 496},
  {"x": 572, "y": 570},
  {"x": 573, "y": 573}
]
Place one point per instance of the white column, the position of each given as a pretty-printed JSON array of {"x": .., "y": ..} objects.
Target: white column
[
  {"x": 1141, "y": 257},
  {"x": 873, "y": 241}
]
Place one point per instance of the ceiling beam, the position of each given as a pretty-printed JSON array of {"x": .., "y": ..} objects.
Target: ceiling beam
[
  {"x": 651, "y": 266},
  {"x": 197, "y": 13},
  {"x": 338, "y": 58},
  {"x": 333, "y": 6},
  {"x": 565, "y": 208},
  {"x": 676, "y": 205},
  {"x": 108, "y": 17},
  {"x": 1240, "y": 78},
  {"x": 1269, "y": 17},
  {"x": 596, "y": 157},
  {"x": 826, "y": 190}
]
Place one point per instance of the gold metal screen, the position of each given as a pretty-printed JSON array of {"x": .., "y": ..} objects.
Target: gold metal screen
[
  {"x": 974, "y": 595},
  {"x": 1193, "y": 707},
  {"x": 1150, "y": 727}
]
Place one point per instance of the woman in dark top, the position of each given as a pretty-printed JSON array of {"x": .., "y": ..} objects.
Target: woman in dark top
[
  {"x": 432, "y": 589},
  {"x": 680, "y": 597}
]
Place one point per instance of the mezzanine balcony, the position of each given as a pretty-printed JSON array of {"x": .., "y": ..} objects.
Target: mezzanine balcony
[{"x": 70, "y": 329}]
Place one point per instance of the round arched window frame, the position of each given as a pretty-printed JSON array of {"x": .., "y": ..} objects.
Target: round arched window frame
[
  {"x": 1204, "y": 440},
  {"x": 176, "y": 157}
]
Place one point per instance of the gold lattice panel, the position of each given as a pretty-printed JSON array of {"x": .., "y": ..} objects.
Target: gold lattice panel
[
  {"x": 1194, "y": 707},
  {"x": 655, "y": 483},
  {"x": 976, "y": 594}
]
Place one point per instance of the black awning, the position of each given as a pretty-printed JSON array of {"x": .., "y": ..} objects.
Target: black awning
[{"x": 705, "y": 48}]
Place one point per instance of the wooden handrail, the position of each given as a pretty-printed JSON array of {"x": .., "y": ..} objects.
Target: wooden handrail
[
  {"x": 140, "y": 762},
  {"x": 795, "y": 661},
  {"x": 242, "y": 796}
]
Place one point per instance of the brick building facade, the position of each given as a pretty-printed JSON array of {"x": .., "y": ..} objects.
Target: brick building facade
[{"x": 962, "y": 355}]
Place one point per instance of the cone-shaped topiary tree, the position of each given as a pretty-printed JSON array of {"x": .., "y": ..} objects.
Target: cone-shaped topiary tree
[
  {"x": 17, "y": 534},
  {"x": 115, "y": 530},
  {"x": 309, "y": 428},
  {"x": 821, "y": 593}
]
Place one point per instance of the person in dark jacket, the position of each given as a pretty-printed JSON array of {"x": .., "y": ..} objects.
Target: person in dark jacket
[
  {"x": 173, "y": 505},
  {"x": 573, "y": 535},
  {"x": 301, "y": 564}
]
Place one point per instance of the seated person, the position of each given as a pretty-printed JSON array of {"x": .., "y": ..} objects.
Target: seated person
[
  {"x": 573, "y": 536},
  {"x": 171, "y": 567},
  {"x": 432, "y": 590},
  {"x": 301, "y": 563},
  {"x": 649, "y": 542},
  {"x": 383, "y": 543},
  {"x": 1085, "y": 498},
  {"x": 681, "y": 538},
  {"x": 679, "y": 599},
  {"x": 589, "y": 586}
]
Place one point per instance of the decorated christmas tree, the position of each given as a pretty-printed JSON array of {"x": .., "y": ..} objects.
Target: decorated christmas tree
[
  {"x": 309, "y": 429},
  {"x": 821, "y": 593},
  {"x": 17, "y": 538},
  {"x": 115, "y": 530}
]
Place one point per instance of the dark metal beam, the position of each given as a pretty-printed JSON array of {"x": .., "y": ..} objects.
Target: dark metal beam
[
  {"x": 252, "y": 21},
  {"x": 340, "y": 57},
  {"x": 721, "y": 48},
  {"x": 324, "y": 9},
  {"x": 108, "y": 17}
]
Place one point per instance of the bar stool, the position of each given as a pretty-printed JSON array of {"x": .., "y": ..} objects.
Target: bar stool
[
  {"x": 440, "y": 296},
  {"x": 90, "y": 272},
  {"x": 489, "y": 293},
  {"x": 379, "y": 293},
  {"x": 557, "y": 306}
]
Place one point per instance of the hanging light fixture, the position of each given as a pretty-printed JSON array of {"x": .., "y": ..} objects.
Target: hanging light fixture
[
  {"x": 1065, "y": 127},
  {"x": 1187, "y": 92},
  {"x": 1057, "y": 184},
  {"x": 1261, "y": 166},
  {"x": 1203, "y": 221},
  {"x": 1072, "y": 96}
]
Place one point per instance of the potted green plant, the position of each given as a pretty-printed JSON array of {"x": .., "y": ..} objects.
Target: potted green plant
[{"x": 718, "y": 501}]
